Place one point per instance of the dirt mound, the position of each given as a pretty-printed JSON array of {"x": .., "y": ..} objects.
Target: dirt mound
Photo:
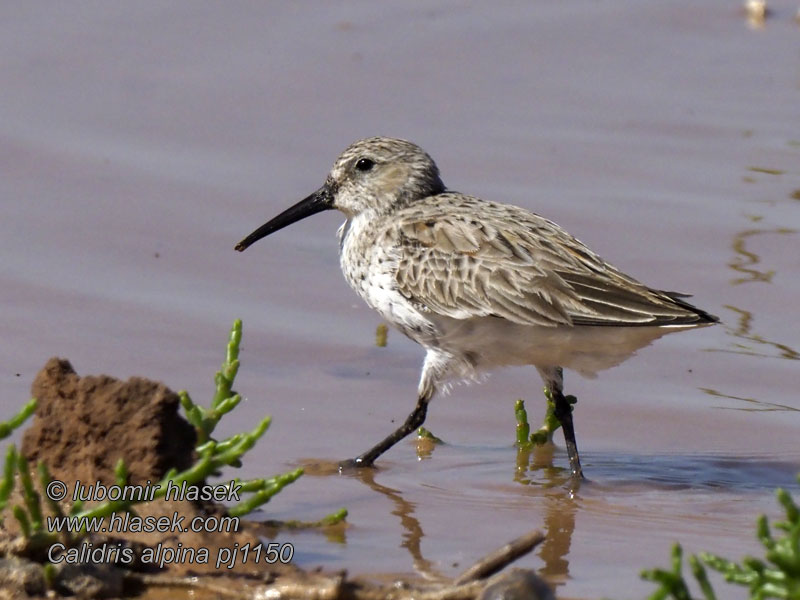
[{"x": 84, "y": 425}]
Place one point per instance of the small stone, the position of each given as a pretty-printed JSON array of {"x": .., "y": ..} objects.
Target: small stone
[
  {"x": 21, "y": 576},
  {"x": 519, "y": 584},
  {"x": 90, "y": 580}
]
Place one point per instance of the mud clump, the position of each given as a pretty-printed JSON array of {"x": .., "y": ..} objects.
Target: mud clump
[{"x": 84, "y": 425}]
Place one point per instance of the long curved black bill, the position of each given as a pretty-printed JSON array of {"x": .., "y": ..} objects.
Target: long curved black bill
[{"x": 320, "y": 200}]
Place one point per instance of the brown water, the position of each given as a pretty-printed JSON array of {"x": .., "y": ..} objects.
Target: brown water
[{"x": 140, "y": 142}]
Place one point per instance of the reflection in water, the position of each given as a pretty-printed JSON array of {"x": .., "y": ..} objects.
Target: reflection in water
[
  {"x": 412, "y": 530},
  {"x": 766, "y": 170},
  {"x": 745, "y": 260},
  {"x": 761, "y": 405},
  {"x": 426, "y": 443},
  {"x": 534, "y": 467},
  {"x": 624, "y": 484},
  {"x": 559, "y": 520},
  {"x": 743, "y": 330},
  {"x": 746, "y": 263},
  {"x": 559, "y": 525}
]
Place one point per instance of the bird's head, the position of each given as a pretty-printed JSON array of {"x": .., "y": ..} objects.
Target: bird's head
[{"x": 374, "y": 176}]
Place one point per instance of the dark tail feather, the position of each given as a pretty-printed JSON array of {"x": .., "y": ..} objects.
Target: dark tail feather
[{"x": 702, "y": 316}]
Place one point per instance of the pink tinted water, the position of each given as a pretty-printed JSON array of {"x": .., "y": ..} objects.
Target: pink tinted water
[{"x": 138, "y": 143}]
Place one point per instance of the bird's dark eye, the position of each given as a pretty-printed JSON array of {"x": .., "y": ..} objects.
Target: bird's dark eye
[{"x": 365, "y": 164}]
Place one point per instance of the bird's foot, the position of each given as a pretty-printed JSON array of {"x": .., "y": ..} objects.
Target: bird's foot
[
  {"x": 574, "y": 483},
  {"x": 354, "y": 463}
]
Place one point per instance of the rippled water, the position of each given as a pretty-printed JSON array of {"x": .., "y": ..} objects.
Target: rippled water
[{"x": 139, "y": 143}]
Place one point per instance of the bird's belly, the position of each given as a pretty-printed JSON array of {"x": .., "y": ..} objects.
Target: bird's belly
[{"x": 489, "y": 342}]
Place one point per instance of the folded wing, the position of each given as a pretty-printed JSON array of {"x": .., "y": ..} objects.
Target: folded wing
[{"x": 487, "y": 259}]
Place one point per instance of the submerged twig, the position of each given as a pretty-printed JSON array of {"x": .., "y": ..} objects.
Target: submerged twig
[{"x": 500, "y": 558}]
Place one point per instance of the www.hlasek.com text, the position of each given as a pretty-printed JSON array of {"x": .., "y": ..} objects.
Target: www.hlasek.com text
[{"x": 130, "y": 523}]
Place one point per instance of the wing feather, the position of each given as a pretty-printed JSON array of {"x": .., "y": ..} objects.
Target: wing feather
[{"x": 459, "y": 256}]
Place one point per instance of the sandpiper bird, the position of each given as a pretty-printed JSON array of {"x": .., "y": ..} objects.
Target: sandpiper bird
[{"x": 479, "y": 284}]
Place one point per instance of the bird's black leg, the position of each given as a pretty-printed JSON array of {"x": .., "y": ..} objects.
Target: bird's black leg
[
  {"x": 553, "y": 378},
  {"x": 563, "y": 411},
  {"x": 412, "y": 422}
]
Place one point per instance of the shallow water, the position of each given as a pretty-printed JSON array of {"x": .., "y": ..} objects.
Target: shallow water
[{"x": 139, "y": 143}]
